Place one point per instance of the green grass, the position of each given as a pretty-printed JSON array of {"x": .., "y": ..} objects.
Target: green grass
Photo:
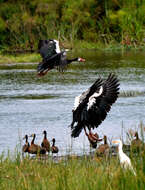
[
  {"x": 72, "y": 172},
  {"x": 75, "y": 173},
  {"x": 20, "y": 58},
  {"x": 78, "y": 46}
]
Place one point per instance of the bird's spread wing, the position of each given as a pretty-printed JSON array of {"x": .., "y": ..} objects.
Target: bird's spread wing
[
  {"x": 79, "y": 100},
  {"x": 98, "y": 106},
  {"x": 96, "y": 103},
  {"x": 79, "y": 107},
  {"x": 48, "y": 48},
  {"x": 49, "y": 63}
]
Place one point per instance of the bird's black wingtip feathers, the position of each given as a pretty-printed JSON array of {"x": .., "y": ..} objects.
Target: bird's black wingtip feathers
[{"x": 76, "y": 131}]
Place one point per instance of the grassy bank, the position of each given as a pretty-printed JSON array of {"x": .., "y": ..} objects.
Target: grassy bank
[
  {"x": 20, "y": 58},
  {"x": 72, "y": 172},
  {"x": 78, "y": 46},
  {"x": 75, "y": 173}
]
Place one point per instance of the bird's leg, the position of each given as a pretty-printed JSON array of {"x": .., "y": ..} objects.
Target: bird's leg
[
  {"x": 63, "y": 75},
  {"x": 85, "y": 131},
  {"x": 90, "y": 148}
]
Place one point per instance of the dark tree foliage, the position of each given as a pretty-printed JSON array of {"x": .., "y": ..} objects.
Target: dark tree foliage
[{"x": 24, "y": 22}]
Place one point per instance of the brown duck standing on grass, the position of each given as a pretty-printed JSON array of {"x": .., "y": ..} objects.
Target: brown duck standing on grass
[
  {"x": 136, "y": 144},
  {"x": 54, "y": 149},
  {"x": 26, "y": 145},
  {"x": 34, "y": 148},
  {"x": 45, "y": 143},
  {"x": 93, "y": 138},
  {"x": 103, "y": 149}
]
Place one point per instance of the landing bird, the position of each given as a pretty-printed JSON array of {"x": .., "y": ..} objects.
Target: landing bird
[
  {"x": 52, "y": 57},
  {"x": 124, "y": 159},
  {"x": 91, "y": 107}
]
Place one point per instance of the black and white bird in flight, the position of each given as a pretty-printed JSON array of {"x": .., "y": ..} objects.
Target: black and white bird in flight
[
  {"x": 52, "y": 57},
  {"x": 92, "y": 106}
]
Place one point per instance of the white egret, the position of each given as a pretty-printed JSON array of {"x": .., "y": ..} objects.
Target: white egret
[{"x": 124, "y": 159}]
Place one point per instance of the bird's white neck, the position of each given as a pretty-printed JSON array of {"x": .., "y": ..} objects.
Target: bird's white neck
[
  {"x": 120, "y": 151},
  {"x": 57, "y": 46}
]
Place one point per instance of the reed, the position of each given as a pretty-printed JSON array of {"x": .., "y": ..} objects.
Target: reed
[
  {"x": 73, "y": 172},
  {"x": 131, "y": 93}
]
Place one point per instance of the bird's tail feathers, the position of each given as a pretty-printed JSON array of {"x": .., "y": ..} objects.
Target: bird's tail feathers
[{"x": 76, "y": 131}]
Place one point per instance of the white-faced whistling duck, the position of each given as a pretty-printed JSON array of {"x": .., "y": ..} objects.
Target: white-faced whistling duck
[
  {"x": 136, "y": 144},
  {"x": 26, "y": 145},
  {"x": 34, "y": 148},
  {"x": 93, "y": 138},
  {"x": 103, "y": 149},
  {"x": 54, "y": 149},
  {"x": 45, "y": 143}
]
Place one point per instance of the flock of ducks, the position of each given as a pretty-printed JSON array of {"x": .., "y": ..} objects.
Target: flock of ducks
[
  {"x": 37, "y": 149},
  {"x": 103, "y": 150},
  {"x": 90, "y": 108}
]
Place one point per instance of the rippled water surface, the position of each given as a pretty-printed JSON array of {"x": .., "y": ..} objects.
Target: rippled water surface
[{"x": 30, "y": 105}]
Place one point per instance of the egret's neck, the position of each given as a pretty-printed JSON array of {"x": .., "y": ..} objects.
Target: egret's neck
[
  {"x": 120, "y": 151},
  {"x": 105, "y": 141}
]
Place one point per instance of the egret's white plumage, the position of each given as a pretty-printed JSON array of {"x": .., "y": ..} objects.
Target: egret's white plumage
[{"x": 124, "y": 159}]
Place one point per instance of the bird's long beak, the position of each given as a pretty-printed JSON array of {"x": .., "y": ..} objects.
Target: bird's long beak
[{"x": 24, "y": 137}]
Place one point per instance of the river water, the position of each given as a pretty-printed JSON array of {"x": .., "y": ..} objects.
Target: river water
[{"x": 29, "y": 104}]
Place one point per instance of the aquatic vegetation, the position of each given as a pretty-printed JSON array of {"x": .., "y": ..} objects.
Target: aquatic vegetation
[
  {"x": 75, "y": 172},
  {"x": 131, "y": 93},
  {"x": 19, "y": 58}
]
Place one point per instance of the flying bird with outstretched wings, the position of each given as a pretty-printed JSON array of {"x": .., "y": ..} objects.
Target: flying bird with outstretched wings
[
  {"x": 92, "y": 106},
  {"x": 52, "y": 57}
]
